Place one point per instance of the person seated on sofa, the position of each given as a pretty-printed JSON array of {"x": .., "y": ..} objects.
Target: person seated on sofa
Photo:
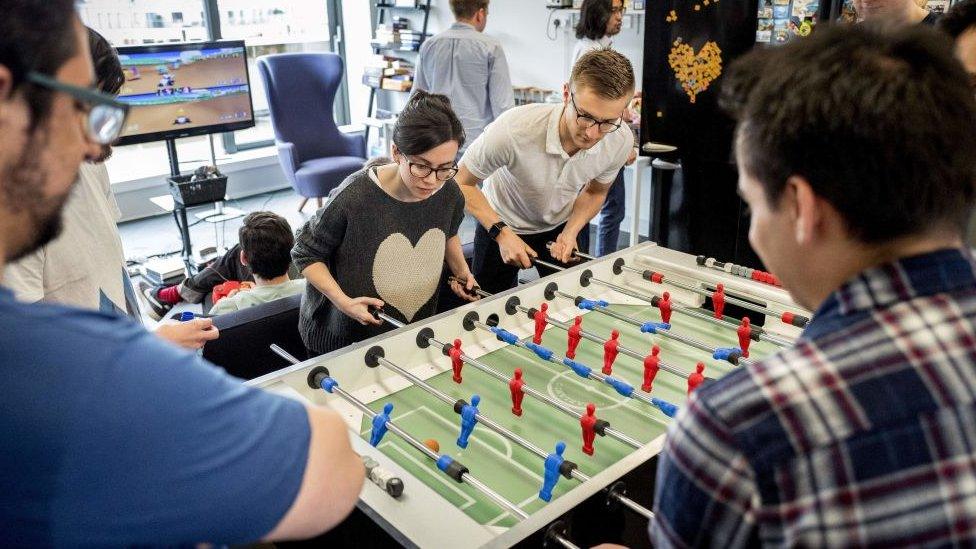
[{"x": 266, "y": 240}]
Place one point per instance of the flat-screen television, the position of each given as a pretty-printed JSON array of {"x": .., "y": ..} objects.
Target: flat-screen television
[{"x": 179, "y": 90}]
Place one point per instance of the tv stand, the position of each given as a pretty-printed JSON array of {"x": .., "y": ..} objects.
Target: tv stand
[
  {"x": 179, "y": 212},
  {"x": 219, "y": 214}
]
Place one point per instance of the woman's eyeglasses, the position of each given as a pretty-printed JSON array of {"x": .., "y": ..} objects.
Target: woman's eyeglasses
[
  {"x": 423, "y": 170},
  {"x": 105, "y": 116}
]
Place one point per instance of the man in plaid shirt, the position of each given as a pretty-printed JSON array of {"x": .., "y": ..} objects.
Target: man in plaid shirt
[{"x": 857, "y": 155}]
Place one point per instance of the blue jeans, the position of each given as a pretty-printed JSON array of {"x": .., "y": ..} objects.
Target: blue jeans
[{"x": 612, "y": 214}]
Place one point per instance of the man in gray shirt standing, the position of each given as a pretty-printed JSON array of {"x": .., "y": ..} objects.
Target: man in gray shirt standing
[{"x": 469, "y": 67}]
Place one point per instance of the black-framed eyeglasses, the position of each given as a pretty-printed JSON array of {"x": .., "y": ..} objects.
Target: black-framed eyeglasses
[
  {"x": 586, "y": 121},
  {"x": 105, "y": 117},
  {"x": 621, "y": 9},
  {"x": 423, "y": 170}
]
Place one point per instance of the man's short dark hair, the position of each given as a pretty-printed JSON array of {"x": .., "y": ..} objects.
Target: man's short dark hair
[
  {"x": 594, "y": 15},
  {"x": 267, "y": 240},
  {"x": 880, "y": 122},
  {"x": 960, "y": 18},
  {"x": 108, "y": 68},
  {"x": 465, "y": 9},
  {"x": 36, "y": 35}
]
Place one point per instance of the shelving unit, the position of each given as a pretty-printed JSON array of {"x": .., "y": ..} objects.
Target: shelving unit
[{"x": 383, "y": 8}]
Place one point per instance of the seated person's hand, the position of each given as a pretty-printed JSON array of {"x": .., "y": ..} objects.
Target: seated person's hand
[
  {"x": 246, "y": 285},
  {"x": 466, "y": 291},
  {"x": 192, "y": 334},
  {"x": 358, "y": 309}
]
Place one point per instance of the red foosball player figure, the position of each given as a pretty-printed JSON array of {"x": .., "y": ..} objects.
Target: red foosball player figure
[
  {"x": 587, "y": 422},
  {"x": 610, "y": 352},
  {"x": 574, "y": 337},
  {"x": 456, "y": 362},
  {"x": 744, "y": 332},
  {"x": 665, "y": 306},
  {"x": 718, "y": 300},
  {"x": 651, "y": 363},
  {"x": 540, "y": 323},
  {"x": 696, "y": 378},
  {"x": 515, "y": 385}
]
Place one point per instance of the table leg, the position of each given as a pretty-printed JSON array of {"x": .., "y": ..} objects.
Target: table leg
[{"x": 635, "y": 203}]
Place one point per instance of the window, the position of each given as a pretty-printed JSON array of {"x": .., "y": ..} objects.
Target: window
[
  {"x": 148, "y": 24},
  {"x": 267, "y": 28}
]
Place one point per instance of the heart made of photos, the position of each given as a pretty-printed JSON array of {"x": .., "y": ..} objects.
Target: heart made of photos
[{"x": 695, "y": 70}]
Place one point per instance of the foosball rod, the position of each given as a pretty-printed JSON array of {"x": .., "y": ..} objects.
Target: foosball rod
[
  {"x": 659, "y": 278},
  {"x": 593, "y": 305},
  {"x": 587, "y": 277},
  {"x": 319, "y": 378},
  {"x": 573, "y": 469},
  {"x": 374, "y": 357},
  {"x": 514, "y": 305},
  {"x": 624, "y": 389},
  {"x": 431, "y": 340},
  {"x": 757, "y": 332},
  {"x": 377, "y": 475}
]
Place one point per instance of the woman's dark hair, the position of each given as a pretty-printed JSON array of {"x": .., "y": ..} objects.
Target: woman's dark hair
[
  {"x": 594, "y": 15},
  {"x": 426, "y": 122},
  {"x": 108, "y": 69},
  {"x": 37, "y": 35}
]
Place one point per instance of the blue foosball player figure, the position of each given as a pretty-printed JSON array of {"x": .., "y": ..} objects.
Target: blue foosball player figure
[
  {"x": 379, "y": 425},
  {"x": 469, "y": 417},
  {"x": 551, "y": 474}
]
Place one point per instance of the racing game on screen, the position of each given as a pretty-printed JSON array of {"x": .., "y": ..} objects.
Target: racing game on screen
[{"x": 185, "y": 89}]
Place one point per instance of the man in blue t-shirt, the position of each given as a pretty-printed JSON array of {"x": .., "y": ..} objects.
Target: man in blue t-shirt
[{"x": 111, "y": 436}]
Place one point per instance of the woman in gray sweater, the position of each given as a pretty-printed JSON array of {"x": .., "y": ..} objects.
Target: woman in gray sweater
[{"x": 383, "y": 237}]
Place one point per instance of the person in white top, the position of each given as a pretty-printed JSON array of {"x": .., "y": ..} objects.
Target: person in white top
[
  {"x": 85, "y": 266},
  {"x": 546, "y": 171},
  {"x": 599, "y": 22}
]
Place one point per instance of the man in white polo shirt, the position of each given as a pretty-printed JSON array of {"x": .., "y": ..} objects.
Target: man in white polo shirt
[{"x": 546, "y": 170}]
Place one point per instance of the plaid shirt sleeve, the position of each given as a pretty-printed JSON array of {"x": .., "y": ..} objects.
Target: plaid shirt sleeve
[{"x": 706, "y": 489}]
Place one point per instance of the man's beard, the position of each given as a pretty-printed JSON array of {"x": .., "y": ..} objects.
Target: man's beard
[{"x": 22, "y": 188}]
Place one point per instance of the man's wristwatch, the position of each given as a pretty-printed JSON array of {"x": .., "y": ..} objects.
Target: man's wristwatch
[{"x": 496, "y": 230}]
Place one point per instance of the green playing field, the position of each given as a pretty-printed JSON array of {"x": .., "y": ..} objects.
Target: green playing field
[{"x": 513, "y": 471}]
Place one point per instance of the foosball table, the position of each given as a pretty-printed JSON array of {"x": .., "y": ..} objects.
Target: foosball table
[{"x": 489, "y": 425}]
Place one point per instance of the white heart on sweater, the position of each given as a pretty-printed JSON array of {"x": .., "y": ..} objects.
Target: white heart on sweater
[{"x": 406, "y": 276}]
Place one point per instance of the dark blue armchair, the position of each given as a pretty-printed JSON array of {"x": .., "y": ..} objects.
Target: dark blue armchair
[{"x": 314, "y": 154}]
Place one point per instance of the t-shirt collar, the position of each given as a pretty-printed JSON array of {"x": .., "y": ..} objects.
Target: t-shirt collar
[{"x": 553, "y": 144}]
